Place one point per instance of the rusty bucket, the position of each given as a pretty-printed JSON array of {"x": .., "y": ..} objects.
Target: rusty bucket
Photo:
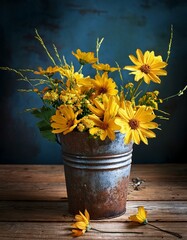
[{"x": 97, "y": 174}]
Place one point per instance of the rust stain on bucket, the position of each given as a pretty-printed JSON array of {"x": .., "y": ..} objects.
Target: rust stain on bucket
[{"x": 96, "y": 179}]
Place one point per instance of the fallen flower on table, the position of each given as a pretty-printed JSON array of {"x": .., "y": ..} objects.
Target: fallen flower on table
[
  {"x": 82, "y": 225},
  {"x": 141, "y": 217}
]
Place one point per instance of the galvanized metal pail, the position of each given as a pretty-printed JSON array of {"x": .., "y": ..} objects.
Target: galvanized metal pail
[{"x": 97, "y": 174}]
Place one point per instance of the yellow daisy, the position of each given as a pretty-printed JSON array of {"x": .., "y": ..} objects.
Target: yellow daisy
[
  {"x": 106, "y": 126},
  {"x": 103, "y": 84},
  {"x": 82, "y": 224},
  {"x": 65, "y": 120},
  {"x": 140, "y": 217},
  {"x": 85, "y": 57},
  {"x": 136, "y": 124},
  {"x": 105, "y": 67},
  {"x": 49, "y": 71},
  {"x": 147, "y": 66},
  {"x": 98, "y": 105}
]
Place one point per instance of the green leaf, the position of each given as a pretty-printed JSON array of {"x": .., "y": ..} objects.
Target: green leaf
[
  {"x": 43, "y": 125},
  {"x": 44, "y": 114},
  {"x": 48, "y": 135}
]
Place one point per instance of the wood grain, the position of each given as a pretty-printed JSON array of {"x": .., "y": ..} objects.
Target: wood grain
[{"x": 34, "y": 204}]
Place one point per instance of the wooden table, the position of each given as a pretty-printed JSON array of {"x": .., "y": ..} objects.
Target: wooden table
[{"x": 33, "y": 204}]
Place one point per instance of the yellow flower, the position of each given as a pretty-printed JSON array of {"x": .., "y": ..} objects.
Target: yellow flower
[
  {"x": 84, "y": 84},
  {"x": 105, "y": 67},
  {"x": 81, "y": 127},
  {"x": 67, "y": 71},
  {"x": 45, "y": 89},
  {"x": 106, "y": 126},
  {"x": 98, "y": 105},
  {"x": 49, "y": 71},
  {"x": 65, "y": 120},
  {"x": 82, "y": 224},
  {"x": 147, "y": 66},
  {"x": 129, "y": 85},
  {"x": 87, "y": 122},
  {"x": 72, "y": 98},
  {"x": 140, "y": 217},
  {"x": 85, "y": 57},
  {"x": 73, "y": 77},
  {"x": 93, "y": 101},
  {"x": 103, "y": 84},
  {"x": 36, "y": 90},
  {"x": 136, "y": 124},
  {"x": 150, "y": 99},
  {"x": 51, "y": 96}
]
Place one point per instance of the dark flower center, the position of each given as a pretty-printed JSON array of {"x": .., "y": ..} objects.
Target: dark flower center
[
  {"x": 102, "y": 90},
  {"x": 145, "y": 68},
  {"x": 82, "y": 61},
  {"x": 69, "y": 123},
  {"x": 104, "y": 126},
  {"x": 134, "y": 124}
]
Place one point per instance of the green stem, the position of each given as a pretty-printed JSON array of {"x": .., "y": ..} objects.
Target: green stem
[
  {"x": 38, "y": 37},
  {"x": 136, "y": 89},
  {"x": 170, "y": 43},
  {"x": 80, "y": 69},
  {"x": 181, "y": 92},
  {"x": 120, "y": 75},
  {"x": 166, "y": 231},
  {"x": 57, "y": 54},
  {"x": 101, "y": 231},
  {"x": 165, "y": 99},
  {"x": 98, "y": 45}
]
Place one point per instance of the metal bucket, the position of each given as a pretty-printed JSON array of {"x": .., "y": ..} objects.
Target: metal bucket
[{"x": 97, "y": 174}]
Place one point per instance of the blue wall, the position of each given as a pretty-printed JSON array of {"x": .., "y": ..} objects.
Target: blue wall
[{"x": 72, "y": 24}]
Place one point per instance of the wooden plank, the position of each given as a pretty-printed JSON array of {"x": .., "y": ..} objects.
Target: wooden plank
[
  {"x": 161, "y": 172},
  {"x": 25, "y": 211},
  {"x": 33, "y": 191},
  {"x": 159, "y": 191},
  {"x": 44, "y": 214},
  {"x": 56, "y": 230},
  {"x": 53, "y": 173},
  {"x": 33, "y": 182},
  {"x": 31, "y": 173},
  {"x": 56, "y": 191}
]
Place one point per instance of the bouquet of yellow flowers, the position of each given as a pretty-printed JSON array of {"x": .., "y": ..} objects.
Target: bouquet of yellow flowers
[{"x": 73, "y": 101}]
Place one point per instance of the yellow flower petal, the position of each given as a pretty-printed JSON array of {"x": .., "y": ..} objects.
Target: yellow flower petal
[
  {"x": 135, "y": 123},
  {"x": 140, "y": 217},
  {"x": 147, "y": 66},
  {"x": 87, "y": 215},
  {"x": 140, "y": 56},
  {"x": 81, "y": 225},
  {"x": 77, "y": 232}
]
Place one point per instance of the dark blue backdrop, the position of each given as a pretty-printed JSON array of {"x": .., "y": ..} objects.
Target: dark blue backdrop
[{"x": 72, "y": 24}]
